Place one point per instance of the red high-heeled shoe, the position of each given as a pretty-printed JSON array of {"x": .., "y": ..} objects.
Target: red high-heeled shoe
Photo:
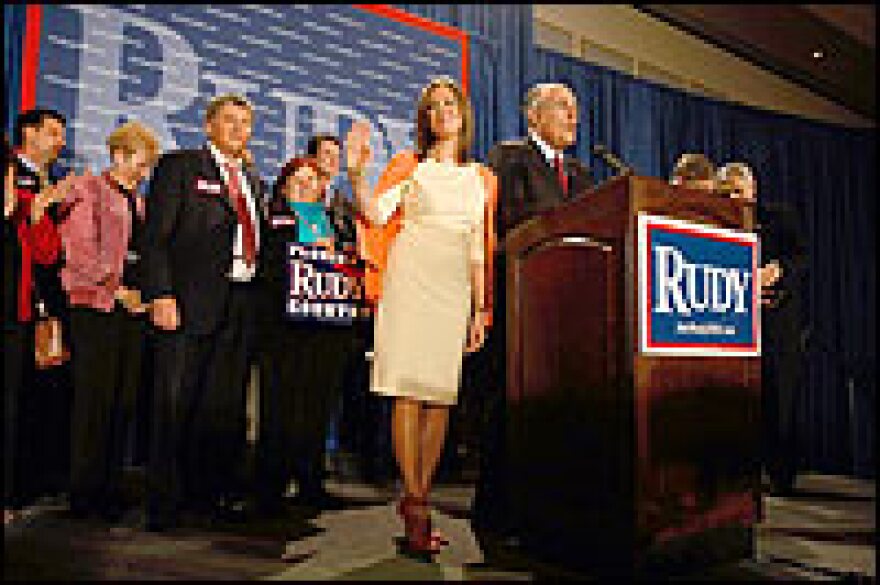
[
  {"x": 420, "y": 540},
  {"x": 436, "y": 536}
]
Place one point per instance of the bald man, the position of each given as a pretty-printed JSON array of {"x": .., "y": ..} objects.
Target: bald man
[{"x": 534, "y": 175}]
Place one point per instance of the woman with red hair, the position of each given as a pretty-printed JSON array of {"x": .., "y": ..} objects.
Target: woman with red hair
[{"x": 301, "y": 361}]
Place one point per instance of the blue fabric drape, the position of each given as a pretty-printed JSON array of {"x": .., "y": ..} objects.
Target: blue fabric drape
[
  {"x": 13, "y": 37},
  {"x": 827, "y": 173}
]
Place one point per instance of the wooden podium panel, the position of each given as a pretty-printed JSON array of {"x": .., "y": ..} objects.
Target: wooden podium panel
[{"x": 621, "y": 461}]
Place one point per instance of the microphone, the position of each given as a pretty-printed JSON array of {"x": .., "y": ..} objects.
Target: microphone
[{"x": 612, "y": 161}]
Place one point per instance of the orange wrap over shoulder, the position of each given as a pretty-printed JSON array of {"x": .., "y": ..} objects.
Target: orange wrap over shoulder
[{"x": 375, "y": 240}]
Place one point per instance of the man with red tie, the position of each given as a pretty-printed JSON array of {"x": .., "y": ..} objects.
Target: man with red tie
[
  {"x": 201, "y": 264},
  {"x": 534, "y": 174}
]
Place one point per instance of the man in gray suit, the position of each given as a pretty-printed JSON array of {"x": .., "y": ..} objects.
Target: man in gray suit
[{"x": 534, "y": 175}]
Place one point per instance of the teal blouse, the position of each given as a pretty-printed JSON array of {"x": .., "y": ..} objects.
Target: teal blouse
[{"x": 313, "y": 222}]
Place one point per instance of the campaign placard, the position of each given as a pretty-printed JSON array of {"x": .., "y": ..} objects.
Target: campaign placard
[
  {"x": 324, "y": 285},
  {"x": 697, "y": 293}
]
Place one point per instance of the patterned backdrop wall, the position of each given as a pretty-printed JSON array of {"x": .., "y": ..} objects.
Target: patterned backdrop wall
[{"x": 306, "y": 69}]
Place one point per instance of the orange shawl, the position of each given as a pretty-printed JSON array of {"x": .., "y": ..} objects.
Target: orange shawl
[{"x": 375, "y": 240}]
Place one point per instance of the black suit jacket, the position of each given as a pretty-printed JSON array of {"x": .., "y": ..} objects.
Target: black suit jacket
[
  {"x": 189, "y": 237},
  {"x": 782, "y": 240},
  {"x": 342, "y": 215},
  {"x": 46, "y": 279},
  {"x": 527, "y": 184}
]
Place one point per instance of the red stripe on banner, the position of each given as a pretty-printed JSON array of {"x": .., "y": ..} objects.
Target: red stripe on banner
[
  {"x": 443, "y": 30},
  {"x": 465, "y": 62},
  {"x": 30, "y": 61},
  {"x": 702, "y": 234}
]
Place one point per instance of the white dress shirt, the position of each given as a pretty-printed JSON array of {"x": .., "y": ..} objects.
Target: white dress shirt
[
  {"x": 240, "y": 271},
  {"x": 329, "y": 192},
  {"x": 29, "y": 164},
  {"x": 550, "y": 154},
  {"x": 34, "y": 168}
]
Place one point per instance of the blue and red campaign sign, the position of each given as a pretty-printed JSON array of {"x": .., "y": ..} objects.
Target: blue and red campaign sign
[
  {"x": 697, "y": 293},
  {"x": 324, "y": 285}
]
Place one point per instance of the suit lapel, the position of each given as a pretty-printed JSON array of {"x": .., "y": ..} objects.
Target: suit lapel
[
  {"x": 546, "y": 174},
  {"x": 338, "y": 211},
  {"x": 211, "y": 171}
]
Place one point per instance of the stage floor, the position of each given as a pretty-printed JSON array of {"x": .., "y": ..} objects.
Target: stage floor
[{"x": 826, "y": 530}]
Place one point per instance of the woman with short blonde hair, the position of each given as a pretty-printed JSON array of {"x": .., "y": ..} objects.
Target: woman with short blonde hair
[
  {"x": 133, "y": 137},
  {"x": 100, "y": 237}
]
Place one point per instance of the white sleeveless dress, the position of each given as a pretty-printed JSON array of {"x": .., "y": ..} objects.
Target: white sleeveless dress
[{"x": 421, "y": 320}]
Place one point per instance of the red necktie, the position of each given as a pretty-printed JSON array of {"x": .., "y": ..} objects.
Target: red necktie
[
  {"x": 244, "y": 218},
  {"x": 563, "y": 178}
]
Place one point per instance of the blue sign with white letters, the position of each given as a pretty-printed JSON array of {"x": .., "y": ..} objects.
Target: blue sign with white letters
[
  {"x": 323, "y": 285},
  {"x": 697, "y": 293},
  {"x": 306, "y": 68}
]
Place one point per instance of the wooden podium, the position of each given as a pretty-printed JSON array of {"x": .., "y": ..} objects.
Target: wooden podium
[{"x": 619, "y": 461}]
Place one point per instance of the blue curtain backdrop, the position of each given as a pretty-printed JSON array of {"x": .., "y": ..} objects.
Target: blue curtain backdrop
[
  {"x": 827, "y": 173},
  {"x": 13, "y": 33}
]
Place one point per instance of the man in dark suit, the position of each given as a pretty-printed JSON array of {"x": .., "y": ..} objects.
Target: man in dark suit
[
  {"x": 325, "y": 149},
  {"x": 200, "y": 266},
  {"x": 37, "y": 401},
  {"x": 783, "y": 268},
  {"x": 361, "y": 415},
  {"x": 41, "y": 410},
  {"x": 534, "y": 175}
]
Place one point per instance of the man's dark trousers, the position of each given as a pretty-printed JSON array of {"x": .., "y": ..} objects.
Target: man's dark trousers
[{"x": 199, "y": 412}]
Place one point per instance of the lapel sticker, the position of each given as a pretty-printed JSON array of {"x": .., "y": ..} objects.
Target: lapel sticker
[{"x": 204, "y": 186}]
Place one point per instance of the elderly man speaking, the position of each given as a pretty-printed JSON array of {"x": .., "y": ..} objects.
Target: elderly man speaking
[{"x": 534, "y": 174}]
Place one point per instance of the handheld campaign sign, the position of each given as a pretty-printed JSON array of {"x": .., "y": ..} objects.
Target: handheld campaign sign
[
  {"x": 324, "y": 286},
  {"x": 698, "y": 294}
]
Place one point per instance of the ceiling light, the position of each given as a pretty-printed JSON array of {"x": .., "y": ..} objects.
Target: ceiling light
[{"x": 818, "y": 54}]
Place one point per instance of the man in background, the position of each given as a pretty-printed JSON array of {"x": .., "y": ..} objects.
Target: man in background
[
  {"x": 42, "y": 409},
  {"x": 325, "y": 149},
  {"x": 783, "y": 267},
  {"x": 694, "y": 171},
  {"x": 361, "y": 414}
]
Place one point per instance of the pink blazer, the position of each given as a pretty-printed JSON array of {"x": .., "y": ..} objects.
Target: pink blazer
[{"x": 95, "y": 236}]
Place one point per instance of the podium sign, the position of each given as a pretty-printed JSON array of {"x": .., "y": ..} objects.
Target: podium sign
[
  {"x": 324, "y": 286},
  {"x": 699, "y": 295}
]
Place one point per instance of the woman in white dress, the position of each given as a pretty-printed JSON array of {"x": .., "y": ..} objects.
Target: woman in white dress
[{"x": 429, "y": 238}]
